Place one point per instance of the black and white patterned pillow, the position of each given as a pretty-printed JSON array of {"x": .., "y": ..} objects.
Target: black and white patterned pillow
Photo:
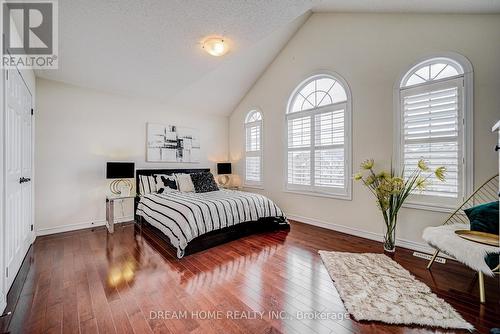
[
  {"x": 165, "y": 183},
  {"x": 147, "y": 184},
  {"x": 204, "y": 182}
]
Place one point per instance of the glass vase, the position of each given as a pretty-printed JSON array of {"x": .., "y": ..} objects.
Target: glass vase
[{"x": 390, "y": 236}]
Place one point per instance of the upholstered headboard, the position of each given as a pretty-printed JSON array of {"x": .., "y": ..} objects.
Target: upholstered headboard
[{"x": 140, "y": 172}]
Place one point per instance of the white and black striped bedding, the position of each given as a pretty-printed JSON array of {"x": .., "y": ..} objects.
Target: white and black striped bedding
[{"x": 185, "y": 216}]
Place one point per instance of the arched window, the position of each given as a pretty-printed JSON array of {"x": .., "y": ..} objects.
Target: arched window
[
  {"x": 318, "y": 137},
  {"x": 253, "y": 148},
  {"x": 434, "y": 118}
]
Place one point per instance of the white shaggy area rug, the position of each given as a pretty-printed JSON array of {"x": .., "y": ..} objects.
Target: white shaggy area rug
[{"x": 374, "y": 287}]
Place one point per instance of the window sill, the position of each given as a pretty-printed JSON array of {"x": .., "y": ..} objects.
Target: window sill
[
  {"x": 429, "y": 207},
  {"x": 318, "y": 194}
]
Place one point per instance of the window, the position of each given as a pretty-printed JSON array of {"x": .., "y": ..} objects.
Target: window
[
  {"x": 253, "y": 148},
  {"x": 318, "y": 137},
  {"x": 435, "y": 124}
]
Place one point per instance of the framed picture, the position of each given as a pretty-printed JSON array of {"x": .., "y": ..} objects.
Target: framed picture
[{"x": 170, "y": 143}]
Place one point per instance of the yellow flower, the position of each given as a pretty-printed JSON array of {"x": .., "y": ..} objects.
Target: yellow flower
[
  {"x": 397, "y": 181},
  {"x": 367, "y": 164},
  {"x": 369, "y": 180},
  {"x": 422, "y": 165},
  {"x": 358, "y": 176},
  {"x": 397, "y": 184},
  {"x": 421, "y": 184},
  {"x": 384, "y": 189},
  {"x": 384, "y": 175},
  {"x": 440, "y": 173}
]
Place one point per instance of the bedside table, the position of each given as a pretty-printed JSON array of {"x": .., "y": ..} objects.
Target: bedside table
[{"x": 110, "y": 210}]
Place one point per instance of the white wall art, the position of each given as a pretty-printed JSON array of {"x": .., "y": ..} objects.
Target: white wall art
[{"x": 170, "y": 143}]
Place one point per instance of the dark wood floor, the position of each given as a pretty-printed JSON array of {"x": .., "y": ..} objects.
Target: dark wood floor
[{"x": 92, "y": 282}]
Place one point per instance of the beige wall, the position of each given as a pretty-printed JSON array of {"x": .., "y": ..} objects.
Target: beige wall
[
  {"x": 371, "y": 51},
  {"x": 78, "y": 130}
]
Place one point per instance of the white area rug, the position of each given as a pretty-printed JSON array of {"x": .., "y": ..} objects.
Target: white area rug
[{"x": 374, "y": 287}]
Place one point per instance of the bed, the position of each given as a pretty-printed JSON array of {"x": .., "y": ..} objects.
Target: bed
[{"x": 192, "y": 222}]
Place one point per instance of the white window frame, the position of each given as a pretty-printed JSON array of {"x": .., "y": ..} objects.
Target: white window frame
[
  {"x": 311, "y": 190},
  {"x": 436, "y": 203},
  {"x": 260, "y": 153}
]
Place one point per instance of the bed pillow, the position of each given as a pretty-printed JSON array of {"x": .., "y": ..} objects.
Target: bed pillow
[
  {"x": 147, "y": 184},
  {"x": 165, "y": 183},
  {"x": 204, "y": 182},
  {"x": 184, "y": 183},
  {"x": 484, "y": 217}
]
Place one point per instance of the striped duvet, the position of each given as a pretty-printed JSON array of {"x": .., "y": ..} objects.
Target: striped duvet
[{"x": 185, "y": 216}]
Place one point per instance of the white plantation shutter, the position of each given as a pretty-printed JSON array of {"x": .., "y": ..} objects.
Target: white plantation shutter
[
  {"x": 329, "y": 168},
  {"x": 432, "y": 115},
  {"x": 253, "y": 148},
  {"x": 252, "y": 169},
  {"x": 316, "y": 137},
  {"x": 253, "y": 138},
  {"x": 432, "y": 119},
  {"x": 299, "y": 167},
  {"x": 299, "y": 132}
]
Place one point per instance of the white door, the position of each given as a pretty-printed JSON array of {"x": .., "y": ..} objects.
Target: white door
[{"x": 18, "y": 174}]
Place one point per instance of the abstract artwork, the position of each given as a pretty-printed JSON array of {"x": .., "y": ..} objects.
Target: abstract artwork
[{"x": 170, "y": 143}]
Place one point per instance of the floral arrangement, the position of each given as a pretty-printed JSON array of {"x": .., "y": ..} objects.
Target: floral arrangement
[{"x": 392, "y": 190}]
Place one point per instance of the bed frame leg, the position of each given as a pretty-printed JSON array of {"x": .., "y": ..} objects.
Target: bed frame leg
[{"x": 432, "y": 259}]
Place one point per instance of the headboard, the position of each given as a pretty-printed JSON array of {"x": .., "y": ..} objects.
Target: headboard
[{"x": 139, "y": 172}]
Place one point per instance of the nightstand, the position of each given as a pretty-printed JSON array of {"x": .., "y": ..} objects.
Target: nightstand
[{"x": 110, "y": 210}]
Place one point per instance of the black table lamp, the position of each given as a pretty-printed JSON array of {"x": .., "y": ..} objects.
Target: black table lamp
[
  {"x": 223, "y": 169},
  {"x": 120, "y": 172}
]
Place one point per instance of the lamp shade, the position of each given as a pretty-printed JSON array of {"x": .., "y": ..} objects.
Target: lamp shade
[
  {"x": 120, "y": 170},
  {"x": 224, "y": 168}
]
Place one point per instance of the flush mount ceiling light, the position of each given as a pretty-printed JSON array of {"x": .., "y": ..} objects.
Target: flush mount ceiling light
[{"x": 215, "y": 46}]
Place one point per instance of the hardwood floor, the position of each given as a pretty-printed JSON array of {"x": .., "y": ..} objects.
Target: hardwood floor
[{"x": 91, "y": 282}]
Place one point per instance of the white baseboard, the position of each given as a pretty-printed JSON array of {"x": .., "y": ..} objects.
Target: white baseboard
[
  {"x": 413, "y": 245},
  {"x": 79, "y": 226}
]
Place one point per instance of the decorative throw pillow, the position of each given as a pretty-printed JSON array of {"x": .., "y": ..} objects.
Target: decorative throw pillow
[
  {"x": 165, "y": 183},
  {"x": 147, "y": 184},
  {"x": 184, "y": 183},
  {"x": 484, "y": 217},
  {"x": 204, "y": 182}
]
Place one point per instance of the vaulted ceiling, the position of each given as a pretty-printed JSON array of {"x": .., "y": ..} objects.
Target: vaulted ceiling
[{"x": 151, "y": 48}]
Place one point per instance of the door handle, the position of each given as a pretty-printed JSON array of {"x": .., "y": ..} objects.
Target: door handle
[
  {"x": 497, "y": 148},
  {"x": 24, "y": 179}
]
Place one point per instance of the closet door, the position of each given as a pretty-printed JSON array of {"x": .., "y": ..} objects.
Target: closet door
[{"x": 18, "y": 174}]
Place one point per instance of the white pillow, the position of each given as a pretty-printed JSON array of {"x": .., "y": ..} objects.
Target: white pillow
[
  {"x": 184, "y": 183},
  {"x": 147, "y": 184}
]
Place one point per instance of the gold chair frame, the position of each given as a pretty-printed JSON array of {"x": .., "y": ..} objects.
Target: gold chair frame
[{"x": 487, "y": 192}]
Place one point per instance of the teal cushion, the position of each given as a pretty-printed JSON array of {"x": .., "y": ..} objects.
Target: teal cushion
[
  {"x": 492, "y": 260},
  {"x": 484, "y": 217}
]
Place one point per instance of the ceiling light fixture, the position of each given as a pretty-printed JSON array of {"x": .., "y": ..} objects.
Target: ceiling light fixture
[{"x": 215, "y": 46}]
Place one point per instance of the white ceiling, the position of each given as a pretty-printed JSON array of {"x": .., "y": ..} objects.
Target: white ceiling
[{"x": 151, "y": 48}]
